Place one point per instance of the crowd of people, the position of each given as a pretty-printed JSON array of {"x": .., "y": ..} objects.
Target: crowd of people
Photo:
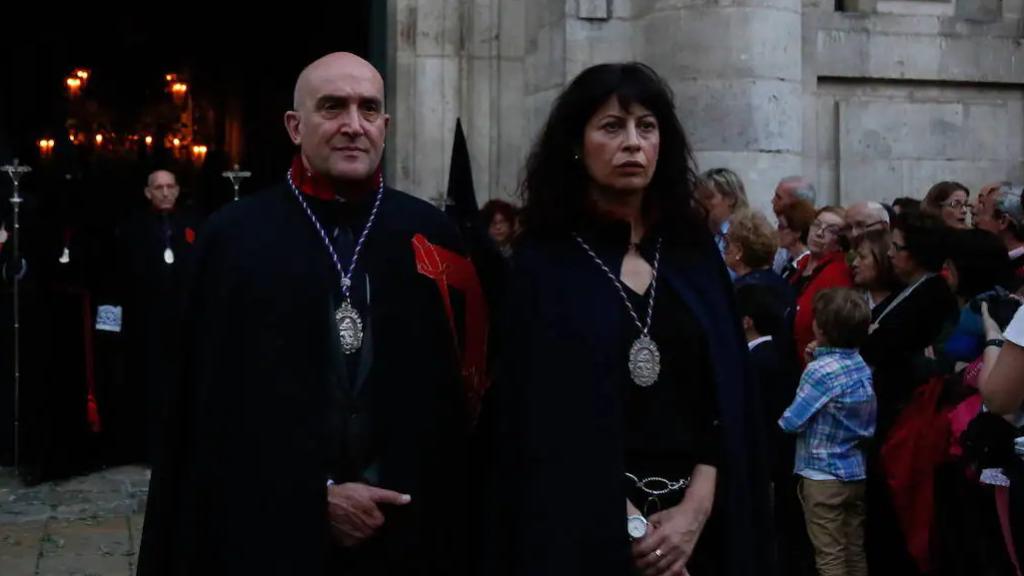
[
  {"x": 671, "y": 382},
  {"x": 870, "y": 330}
]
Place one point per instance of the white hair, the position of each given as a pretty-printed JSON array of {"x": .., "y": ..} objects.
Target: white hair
[
  {"x": 802, "y": 188},
  {"x": 877, "y": 210}
]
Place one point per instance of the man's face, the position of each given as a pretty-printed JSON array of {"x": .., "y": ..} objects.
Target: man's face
[
  {"x": 984, "y": 211},
  {"x": 340, "y": 123},
  {"x": 861, "y": 218},
  {"x": 162, "y": 190},
  {"x": 783, "y": 197}
]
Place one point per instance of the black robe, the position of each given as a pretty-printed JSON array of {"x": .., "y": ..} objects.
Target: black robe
[
  {"x": 554, "y": 502},
  {"x": 266, "y": 412},
  {"x": 150, "y": 291},
  {"x": 55, "y": 303}
]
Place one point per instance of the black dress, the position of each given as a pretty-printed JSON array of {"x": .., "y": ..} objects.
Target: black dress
[
  {"x": 564, "y": 422},
  {"x": 672, "y": 425}
]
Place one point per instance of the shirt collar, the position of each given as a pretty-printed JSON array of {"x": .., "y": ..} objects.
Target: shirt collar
[
  {"x": 1017, "y": 252},
  {"x": 830, "y": 351},
  {"x": 322, "y": 187},
  {"x": 758, "y": 341}
]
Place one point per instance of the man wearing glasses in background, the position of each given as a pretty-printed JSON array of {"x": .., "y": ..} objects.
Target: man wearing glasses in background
[
  {"x": 864, "y": 216},
  {"x": 999, "y": 211}
]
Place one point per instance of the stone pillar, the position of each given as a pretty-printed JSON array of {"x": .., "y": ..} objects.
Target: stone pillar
[
  {"x": 452, "y": 59},
  {"x": 735, "y": 66}
]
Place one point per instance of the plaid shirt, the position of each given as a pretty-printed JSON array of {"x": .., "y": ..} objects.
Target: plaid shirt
[{"x": 833, "y": 411}]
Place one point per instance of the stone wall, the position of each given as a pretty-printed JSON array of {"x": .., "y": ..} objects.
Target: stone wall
[{"x": 876, "y": 101}]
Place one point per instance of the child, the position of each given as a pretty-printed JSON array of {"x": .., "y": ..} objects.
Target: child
[{"x": 833, "y": 413}]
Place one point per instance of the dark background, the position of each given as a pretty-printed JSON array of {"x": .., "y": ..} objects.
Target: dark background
[{"x": 240, "y": 68}]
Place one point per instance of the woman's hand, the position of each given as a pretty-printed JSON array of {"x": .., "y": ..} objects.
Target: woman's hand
[
  {"x": 673, "y": 533},
  {"x": 992, "y": 331},
  {"x": 669, "y": 542}
]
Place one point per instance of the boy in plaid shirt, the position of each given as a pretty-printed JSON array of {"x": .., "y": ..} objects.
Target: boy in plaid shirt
[{"x": 833, "y": 413}]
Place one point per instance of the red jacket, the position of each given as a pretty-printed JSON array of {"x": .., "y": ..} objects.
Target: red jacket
[{"x": 831, "y": 272}]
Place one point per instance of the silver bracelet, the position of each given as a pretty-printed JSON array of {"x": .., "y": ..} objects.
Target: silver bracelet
[{"x": 656, "y": 486}]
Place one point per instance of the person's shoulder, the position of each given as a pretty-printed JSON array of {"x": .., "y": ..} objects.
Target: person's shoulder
[
  {"x": 414, "y": 211},
  {"x": 766, "y": 355},
  {"x": 535, "y": 254},
  {"x": 253, "y": 214},
  {"x": 827, "y": 367}
]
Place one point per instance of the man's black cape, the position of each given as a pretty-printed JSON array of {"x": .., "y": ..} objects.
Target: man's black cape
[{"x": 251, "y": 434}]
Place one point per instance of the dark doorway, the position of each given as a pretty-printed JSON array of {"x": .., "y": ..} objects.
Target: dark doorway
[{"x": 238, "y": 70}]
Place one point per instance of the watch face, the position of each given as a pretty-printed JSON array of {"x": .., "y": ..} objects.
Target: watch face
[{"x": 636, "y": 527}]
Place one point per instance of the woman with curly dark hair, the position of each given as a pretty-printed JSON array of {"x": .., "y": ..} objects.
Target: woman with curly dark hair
[{"x": 622, "y": 376}]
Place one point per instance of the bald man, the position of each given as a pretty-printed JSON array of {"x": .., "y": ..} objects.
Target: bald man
[
  {"x": 864, "y": 216},
  {"x": 155, "y": 246},
  {"x": 788, "y": 191},
  {"x": 333, "y": 368}
]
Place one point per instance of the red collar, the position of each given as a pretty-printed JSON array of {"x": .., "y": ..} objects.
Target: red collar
[{"x": 323, "y": 188}]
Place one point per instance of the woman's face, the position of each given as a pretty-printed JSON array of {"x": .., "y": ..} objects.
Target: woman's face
[
  {"x": 500, "y": 229},
  {"x": 620, "y": 147},
  {"x": 903, "y": 264},
  {"x": 865, "y": 267},
  {"x": 955, "y": 209},
  {"x": 824, "y": 235},
  {"x": 719, "y": 209}
]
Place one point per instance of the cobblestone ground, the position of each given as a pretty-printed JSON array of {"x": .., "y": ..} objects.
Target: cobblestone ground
[{"x": 85, "y": 526}]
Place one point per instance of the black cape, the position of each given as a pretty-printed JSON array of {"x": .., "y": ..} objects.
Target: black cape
[
  {"x": 150, "y": 291},
  {"x": 555, "y": 488},
  {"x": 253, "y": 431}
]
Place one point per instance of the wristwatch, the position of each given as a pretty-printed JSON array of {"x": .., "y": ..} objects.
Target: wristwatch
[
  {"x": 636, "y": 526},
  {"x": 997, "y": 342}
]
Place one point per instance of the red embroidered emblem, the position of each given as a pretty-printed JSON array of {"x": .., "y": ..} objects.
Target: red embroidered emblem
[{"x": 447, "y": 268}]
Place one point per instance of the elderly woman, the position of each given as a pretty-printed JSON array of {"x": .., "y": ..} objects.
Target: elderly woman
[
  {"x": 825, "y": 268},
  {"x": 618, "y": 418},
  {"x": 949, "y": 201},
  {"x": 750, "y": 248}
]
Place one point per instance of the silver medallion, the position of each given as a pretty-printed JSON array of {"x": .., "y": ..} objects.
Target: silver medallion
[
  {"x": 350, "y": 327},
  {"x": 65, "y": 256},
  {"x": 644, "y": 361},
  {"x": 169, "y": 256}
]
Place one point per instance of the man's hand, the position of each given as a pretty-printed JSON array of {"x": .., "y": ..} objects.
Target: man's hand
[{"x": 354, "y": 510}]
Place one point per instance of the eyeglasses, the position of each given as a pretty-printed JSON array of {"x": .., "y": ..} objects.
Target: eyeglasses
[
  {"x": 957, "y": 205},
  {"x": 825, "y": 229}
]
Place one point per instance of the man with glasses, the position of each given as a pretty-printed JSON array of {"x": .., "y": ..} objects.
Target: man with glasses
[
  {"x": 864, "y": 216},
  {"x": 1000, "y": 211}
]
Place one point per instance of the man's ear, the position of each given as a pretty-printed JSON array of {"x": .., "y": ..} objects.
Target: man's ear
[{"x": 293, "y": 124}]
